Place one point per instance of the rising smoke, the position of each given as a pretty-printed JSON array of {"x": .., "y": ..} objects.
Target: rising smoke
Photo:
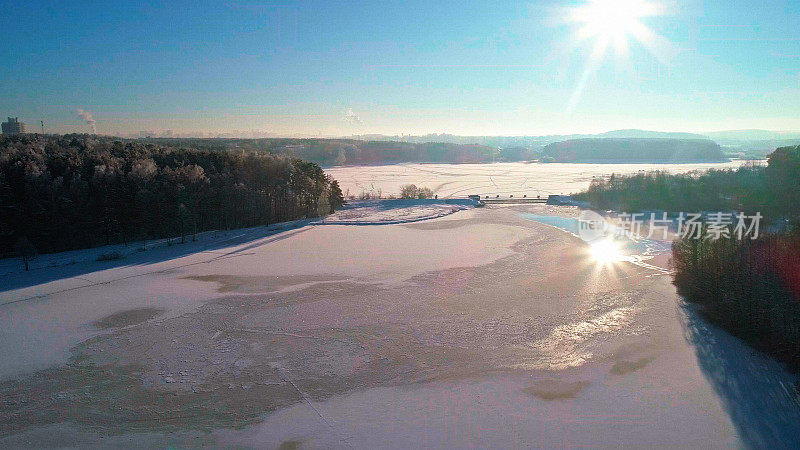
[
  {"x": 351, "y": 117},
  {"x": 86, "y": 116}
]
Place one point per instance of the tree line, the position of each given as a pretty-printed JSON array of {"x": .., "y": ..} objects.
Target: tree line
[
  {"x": 743, "y": 189},
  {"x": 630, "y": 150},
  {"x": 337, "y": 152},
  {"x": 69, "y": 192},
  {"x": 751, "y": 288},
  {"x": 773, "y": 190}
]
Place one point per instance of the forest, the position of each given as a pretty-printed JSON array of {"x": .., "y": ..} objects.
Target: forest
[
  {"x": 337, "y": 152},
  {"x": 633, "y": 150},
  {"x": 773, "y": 190},
  {"x": 69, "y": 192},
  {"x": 744, "y": 189},
  {"x": 750, "y": 287}
]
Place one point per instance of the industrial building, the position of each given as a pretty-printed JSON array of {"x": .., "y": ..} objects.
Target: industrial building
[{"x": 13, "y": 126}]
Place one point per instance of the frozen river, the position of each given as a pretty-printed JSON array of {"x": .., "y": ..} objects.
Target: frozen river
[{"x": 518, "y": 178}]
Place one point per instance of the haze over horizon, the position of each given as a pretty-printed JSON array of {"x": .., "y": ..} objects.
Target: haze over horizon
[{"x": 318, "y": 69}]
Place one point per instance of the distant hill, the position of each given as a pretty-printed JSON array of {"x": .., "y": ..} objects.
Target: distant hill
[
  {"x": 449, "y": 148},
  {"x": 637, "y": 150},
  {"x": 753, "y": 135},
  {"x": 526, "y": 141},
  {"x": 337, "y": 152},
  {"x": 753, "y": 143},
  {"x": 645, "y": 134}
]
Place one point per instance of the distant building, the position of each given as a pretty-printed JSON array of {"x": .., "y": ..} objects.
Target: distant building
[{"x": 13, "y": 126}]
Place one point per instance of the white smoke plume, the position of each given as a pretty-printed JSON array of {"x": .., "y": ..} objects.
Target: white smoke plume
[
  {"x": 86, "y": 116},
  {"x": 351, "y": 117}
]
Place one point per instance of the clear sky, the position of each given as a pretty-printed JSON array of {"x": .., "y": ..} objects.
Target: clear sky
[{"x": 412, "y": 67}]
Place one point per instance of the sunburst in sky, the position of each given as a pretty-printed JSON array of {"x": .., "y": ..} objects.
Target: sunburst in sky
[
  {"x": 613, "y": 23},
  {"x": 467, "y": 67}
]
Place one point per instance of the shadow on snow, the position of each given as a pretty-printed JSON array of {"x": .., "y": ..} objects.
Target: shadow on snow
[{"x": 760, "y": 396}]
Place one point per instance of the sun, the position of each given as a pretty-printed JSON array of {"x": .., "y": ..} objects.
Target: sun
[{"x": 613, "y": 21}]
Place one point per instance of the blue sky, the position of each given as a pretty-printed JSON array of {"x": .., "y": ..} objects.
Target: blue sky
[{"x": 413, "y": 67}]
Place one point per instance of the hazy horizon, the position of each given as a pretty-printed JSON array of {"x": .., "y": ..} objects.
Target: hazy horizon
[{"x": 262, "y": 134}]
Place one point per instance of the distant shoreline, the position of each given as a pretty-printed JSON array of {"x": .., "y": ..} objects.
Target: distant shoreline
[{"x": 659, "y": 162}]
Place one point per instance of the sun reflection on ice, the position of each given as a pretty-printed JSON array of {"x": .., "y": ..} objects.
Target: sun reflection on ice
[{"x": 606, "y": 252}]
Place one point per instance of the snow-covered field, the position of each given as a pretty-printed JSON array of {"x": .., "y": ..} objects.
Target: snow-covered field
[
  {"x": 481, "y": 328},
  {"x": 460, "y": 180}
]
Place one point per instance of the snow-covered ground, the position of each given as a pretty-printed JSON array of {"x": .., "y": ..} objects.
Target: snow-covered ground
[
  {"x": 72, "y": 264},
  {"x": 382, "y": 212},
  {"x": 12, "y": 267},
  {"x": 50, "y": 308},
  {"x": 460, "y": 180},
  {"x": 479, "y": 329}
]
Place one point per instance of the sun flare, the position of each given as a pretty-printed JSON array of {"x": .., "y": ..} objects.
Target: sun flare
[
  {"x": 606, "y": 252},
  {"x": 612, "y": 21}
]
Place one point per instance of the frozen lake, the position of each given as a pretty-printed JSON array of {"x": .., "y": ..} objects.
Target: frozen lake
[
  {"x": 517, "y": 178},
  {"x": 478, "y": 328}
]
